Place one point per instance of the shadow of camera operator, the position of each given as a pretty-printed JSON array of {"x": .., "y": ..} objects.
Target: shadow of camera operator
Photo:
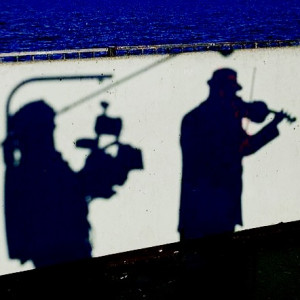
[{"x": 46, "y": 205}]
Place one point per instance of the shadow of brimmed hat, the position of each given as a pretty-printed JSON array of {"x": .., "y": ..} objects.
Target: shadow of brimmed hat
[{"x": 223, "y": 77}]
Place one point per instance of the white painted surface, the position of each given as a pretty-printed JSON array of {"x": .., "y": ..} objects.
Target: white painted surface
[{"x": 152, "y": 94}]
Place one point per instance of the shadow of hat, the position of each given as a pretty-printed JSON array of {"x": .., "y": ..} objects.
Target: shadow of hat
[{"x": 223, "y": 77}]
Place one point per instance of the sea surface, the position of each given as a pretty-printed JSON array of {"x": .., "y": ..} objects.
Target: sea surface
[{"x": 64, "y": 24}]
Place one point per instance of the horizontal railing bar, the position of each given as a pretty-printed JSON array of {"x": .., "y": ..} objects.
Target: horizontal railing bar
[
  {"x": 142, "y": 49},
  {"x": 25, "y": 53}
]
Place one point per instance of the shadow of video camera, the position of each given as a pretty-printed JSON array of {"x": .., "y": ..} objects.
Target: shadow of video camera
[
  {"x": 130, "y": 157},
  {"x": 102, "y": 171}
]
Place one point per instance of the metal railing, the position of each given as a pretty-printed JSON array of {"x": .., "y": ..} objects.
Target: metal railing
[{"x": 115, "y": 51}]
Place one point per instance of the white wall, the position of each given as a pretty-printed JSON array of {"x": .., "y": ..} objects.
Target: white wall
[{"x": 152, "y": 94}]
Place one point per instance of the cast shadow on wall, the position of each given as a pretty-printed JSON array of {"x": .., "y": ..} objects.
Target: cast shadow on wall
[
  {"x": 46, "y": 202},
  {"x": 213, "y": 144}
]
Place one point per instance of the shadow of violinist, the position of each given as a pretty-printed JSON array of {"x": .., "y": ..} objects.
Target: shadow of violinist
[
  {"x": 213, "y": 144},
  {"x": 46, "y": 202}
]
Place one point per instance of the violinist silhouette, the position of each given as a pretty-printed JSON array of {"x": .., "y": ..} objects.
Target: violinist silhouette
[
  {"x": 213, "y": 143},
  {"x": 46, "y": 202}
]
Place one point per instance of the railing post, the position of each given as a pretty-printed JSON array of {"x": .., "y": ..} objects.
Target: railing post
[{"x": 112, "y": 51}]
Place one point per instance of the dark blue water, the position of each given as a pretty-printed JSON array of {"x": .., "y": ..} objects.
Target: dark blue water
[{"x": 57, "y": 25}]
